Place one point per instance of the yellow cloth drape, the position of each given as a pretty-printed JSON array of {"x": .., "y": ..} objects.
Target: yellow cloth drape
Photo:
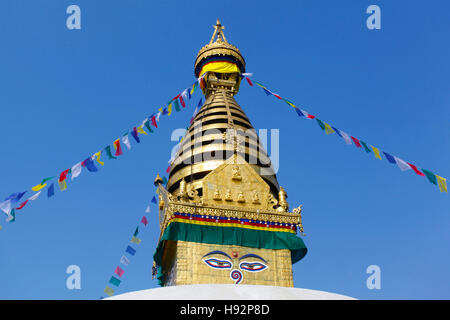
[{"x": 220, "y": 67}]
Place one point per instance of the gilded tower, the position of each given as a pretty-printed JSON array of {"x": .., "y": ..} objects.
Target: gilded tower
[{"x": 223, "y": 216}]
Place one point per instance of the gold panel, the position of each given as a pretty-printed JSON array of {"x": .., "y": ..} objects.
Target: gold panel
[{"x": 192, "y": 265}]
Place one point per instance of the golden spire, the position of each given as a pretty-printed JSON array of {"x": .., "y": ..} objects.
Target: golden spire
[{"x": 218, "y": 30}]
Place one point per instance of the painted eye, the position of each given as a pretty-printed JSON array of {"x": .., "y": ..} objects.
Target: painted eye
[
  {"x": 252, "y": 266},
  {"x": 218, "y": 264}
]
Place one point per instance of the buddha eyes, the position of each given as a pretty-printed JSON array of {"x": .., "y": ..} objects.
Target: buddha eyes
[
  {"x": 252, "y": 266},
  {"x": 218, "y": 264}
]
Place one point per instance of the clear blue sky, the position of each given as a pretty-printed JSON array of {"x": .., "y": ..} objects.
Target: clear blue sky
[{"x": 65, "y": 94}]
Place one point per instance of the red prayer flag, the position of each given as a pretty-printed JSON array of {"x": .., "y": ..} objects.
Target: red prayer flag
[
  {"x": 22, "y": 205},
  {"x": 356, "y": 141},
  {"x": 182, "y": 102},
  {"x": 63, "y": 175},
  {"x": 118, "y": 148},
  {"x": 249, "y": 81},
  {"x": 119, "y": 271},
  {"x": 144, "y": 220},
  {"x": 310, "y": 116},
  {"x": 154, "y": 122},
  {"x": 168, "y": 169},
  {"x": 416, "y": 170},
  {"x": 277, "y": 96}
]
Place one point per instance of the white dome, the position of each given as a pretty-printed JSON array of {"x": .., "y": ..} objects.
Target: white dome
[{"x": 229, "y": 292}]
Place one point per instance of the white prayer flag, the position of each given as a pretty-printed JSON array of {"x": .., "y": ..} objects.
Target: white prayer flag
[
  {"x": 402, "y": 164},
  {"x": 124, "y": 261},
  {"x": 34, "y": 196},
  {"x": 126, "y": 141},
  {"x": 6, "y": 206},
  {"x": 346, "y": 137},
  {"x": 76, "y": 170}
]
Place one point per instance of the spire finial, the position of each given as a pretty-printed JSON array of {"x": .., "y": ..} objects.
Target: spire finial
[{"x": 218, "y": 30}]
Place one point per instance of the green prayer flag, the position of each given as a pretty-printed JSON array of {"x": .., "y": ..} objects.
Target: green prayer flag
[
  {"x": 136, "y": 232},
  {"x": 108, "y": 152},
  {"x": 177, "y": 105},
  {"x": 13, "y": 215},
  {"x": 114, "y": 281},
  {"x": 46, "y": 179},
  {"x": 147, "y": 125},
  {"x": 431, "y": 176},
  {"x": 365, "y": 146},
  {"x": 320, "y": 124},
  {"x": 164, "y": 180}
]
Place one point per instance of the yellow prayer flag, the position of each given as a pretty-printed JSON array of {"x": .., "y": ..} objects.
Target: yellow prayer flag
[
  {"x": 140, "y": 130},
  {"x": 38, "y": 187},
  {"x": 136, "y": 240},
  {"x": 376, "y": 152},
  {"x": 328, "y": 128},
  {"x": 97, "y": 155},
  {"x": 109, "y": 291},
  {"x": 62, "y": 185},
  {"x": 169, "y": 108},
  {"x": 442, "y": 182}
]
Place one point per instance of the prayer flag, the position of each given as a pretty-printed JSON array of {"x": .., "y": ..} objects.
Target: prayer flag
[
  {"x": 299, "y": 112},
  {"x": 42, "y": 184},
  {"x": 135, "y": 240},
  {"x": 126, "y": 141},
  {"x": 109, "y": 291},
  {"x": 118, "y": 148},
  {"x": 365, "y": 146},
  {"x": 141, "y": 130},
  {"x": 267, "y": 92},
  {"x": 147, "y": 210},
  {"x": 328, "y": 128},
  {"x": 114, "y": 281},
  {"x": 169, "y": 109},
  {"x": 62, "y": 185},
  {"x": 147, "y": 125},
  {"x": 136, "y": 232},
  {"x": 177, "y": 105},
  {"x": 249, "y": 81},
  {"x": 5, "y": 206},
  {"x": 402, "y": 164},
  {"x": 89, "y": 164},
  {"x": 356, "y": 141},
  {"x": 154, "y": 122},
  {"x": 22, "y": 205},
  {"x": 431, "y": 176},
  {"x": 376, "y": 152},
  {"x": 389, "y": 158},
  {"x": 168, "y": 169},
  {"x": 119, "y": 271},
  {"x": 108, "y": 153},
  {"x": 124, "y": 260},
  {"x": 50, "y": 190},
  {"x": 164, "y": 111},
  {"x": 130, "y": 250},
  {"x": 15, "y": 197},
  {"x": 144, "y": 219},
  {"x": 157, "y": 116},
  {"x": 442, "y": 182},
  {"x": 11, "y": 216},
  {"x": 320, "y": 123},
  {"x": 76, "y": 170},
  {"x": 416, "y": 170},
  {"x": 154, "y": 199},
  {"x": 97, "y": 155},
  {"x": 134, "y": 133},
  {"x": 34, "y": 196},
  {"x": 182, "y": 101},
  {"x": 194, "y": 86}
]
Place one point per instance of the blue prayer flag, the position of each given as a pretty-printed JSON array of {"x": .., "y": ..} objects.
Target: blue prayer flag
[
  {"x": 267, "y": 92},
  {"x": 130, "y": 250},
  {"x": 389, "y": 158},
  {"x": 89, "y": 164},
  {"x": 15, "y": 196},
  {"x": 154, "y": 199},
  {"x": 51, "y": 190}
]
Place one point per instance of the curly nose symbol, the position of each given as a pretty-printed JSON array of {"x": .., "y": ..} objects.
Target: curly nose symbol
[{"x": 236, "y": 275}]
